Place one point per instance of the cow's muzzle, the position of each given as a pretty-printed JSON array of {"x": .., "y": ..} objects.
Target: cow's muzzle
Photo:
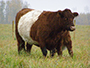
[{"x": 72, "y": 28}]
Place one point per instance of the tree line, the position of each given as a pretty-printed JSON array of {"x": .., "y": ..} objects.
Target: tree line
[
  {"x": 9, "y": 9},
  {"x": 83, "y": 19}
]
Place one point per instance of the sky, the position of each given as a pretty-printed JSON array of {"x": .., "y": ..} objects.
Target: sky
[{"x": 80, "y": 6}]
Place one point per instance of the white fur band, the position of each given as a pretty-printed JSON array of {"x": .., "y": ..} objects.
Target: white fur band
[{"x": 25, "y": 24}]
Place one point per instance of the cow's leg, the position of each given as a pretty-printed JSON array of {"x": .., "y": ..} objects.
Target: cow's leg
[
  {"x": 21, "y": 45},
  {"x": 52, "y": 52},
  {"x": 44, "y": 51},
  {"x": 69, "y": 47},
  {"x": 20, "y": 42},
  {"x": 37, "y": 45},
  {"x": 28, "y": 47},
  {"x": 43, "y": 47}
]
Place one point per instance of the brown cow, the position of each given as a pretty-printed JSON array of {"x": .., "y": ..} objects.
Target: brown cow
[{"x": 43, "y": 28}]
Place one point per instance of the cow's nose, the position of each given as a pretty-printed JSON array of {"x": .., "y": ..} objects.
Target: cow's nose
[{"x": 72, "y": 28}]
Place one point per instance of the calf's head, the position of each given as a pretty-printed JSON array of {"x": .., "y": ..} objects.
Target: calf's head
[{"x": 67, "y": 19}]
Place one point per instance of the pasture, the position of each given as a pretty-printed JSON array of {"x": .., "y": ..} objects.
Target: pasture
[{"x": 9, "y": 57}]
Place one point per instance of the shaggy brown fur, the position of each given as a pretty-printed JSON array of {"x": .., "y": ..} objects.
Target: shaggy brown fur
[
  {"x": 65, "y": 41},
  {"x": 49, "y": 27},
  {"x": 51, "y": 30}
]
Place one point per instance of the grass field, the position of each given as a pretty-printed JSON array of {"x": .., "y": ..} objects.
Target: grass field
[{"x": 9, "y": 57}]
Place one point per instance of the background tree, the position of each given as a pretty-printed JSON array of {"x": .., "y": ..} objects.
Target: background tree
[
  {"x": 12, "y": 7},
  {"x": 2, "y": 6},
  {"x": 9, "y": 9},
  {"x": 83, "y": 19}
]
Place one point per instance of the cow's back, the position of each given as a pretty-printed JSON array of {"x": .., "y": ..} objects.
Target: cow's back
[
  {"x": 19, "y": 14},
  {"x": 25, "y": 23}
]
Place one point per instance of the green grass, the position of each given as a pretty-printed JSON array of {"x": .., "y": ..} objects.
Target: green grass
[{"x": 9, "y": 57}]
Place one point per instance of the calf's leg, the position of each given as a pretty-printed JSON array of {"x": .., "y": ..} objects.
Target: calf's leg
[
  {"x": 59, "y": 50},
  {"x": 69, "y": 47}
]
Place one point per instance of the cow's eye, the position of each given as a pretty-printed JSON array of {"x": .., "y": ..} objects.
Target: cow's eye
[{"x": 65, "y": 18}]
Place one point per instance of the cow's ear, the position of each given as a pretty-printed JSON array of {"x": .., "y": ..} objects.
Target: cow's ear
[
  {"x": 60, "y": 13},
  {"x": 75, "y": 14}
]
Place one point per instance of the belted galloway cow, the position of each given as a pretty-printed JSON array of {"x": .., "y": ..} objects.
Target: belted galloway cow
[{"x": 45, "y": 29}]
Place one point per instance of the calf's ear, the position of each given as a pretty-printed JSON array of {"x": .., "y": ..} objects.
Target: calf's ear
[{"x": 75, "y": 14}]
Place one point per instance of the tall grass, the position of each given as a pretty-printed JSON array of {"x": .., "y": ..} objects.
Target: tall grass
[{"x": 9, "y": 57}]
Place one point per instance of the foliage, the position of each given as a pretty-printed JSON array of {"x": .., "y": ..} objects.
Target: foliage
[
  {"x": 9, "y": 10},
  {"x": 83, "y": 19},
  {"x": 9, "y": 57},
  {"x": 2, "y": 6}
]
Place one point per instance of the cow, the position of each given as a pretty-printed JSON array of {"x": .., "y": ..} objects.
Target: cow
[{"x": 44, "y": 29}]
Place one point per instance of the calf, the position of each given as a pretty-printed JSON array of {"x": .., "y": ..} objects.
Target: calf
[
  {"x": 42, "y": 28},
  {"x": 64, "y": 41}
]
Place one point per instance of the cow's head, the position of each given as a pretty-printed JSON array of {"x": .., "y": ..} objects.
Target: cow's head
[{"x": 67, "y": 19}]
